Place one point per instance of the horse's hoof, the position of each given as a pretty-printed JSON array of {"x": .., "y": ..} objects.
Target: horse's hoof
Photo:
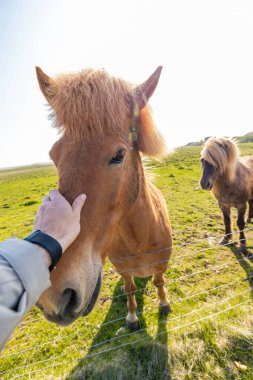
[
  {"x": 248, "y": 220},
  {"x": 224, "y": 241},
  {"x": 243, "y": 249},
  {"x": 165, "y": 309},
  {"x": 133, "y": 326}
]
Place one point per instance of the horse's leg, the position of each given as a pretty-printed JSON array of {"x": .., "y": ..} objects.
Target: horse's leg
[
  {"x": 132, "y": 321},
  {"x": 241, "y": 224},
  {"x": 164, "y": 304},
  {"x": 227, "y": 222},
  {"x": 250, "y": 211}
]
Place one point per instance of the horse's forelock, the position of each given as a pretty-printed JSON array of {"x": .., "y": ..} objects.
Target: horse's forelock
[
  {"x": 223, "y": 154},
  {"x": 91, "y": 103}
]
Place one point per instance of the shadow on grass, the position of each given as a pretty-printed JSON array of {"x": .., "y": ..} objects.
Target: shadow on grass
[
  {"x": 246, "y": 262},
  {"x": 146, "y": 358}
]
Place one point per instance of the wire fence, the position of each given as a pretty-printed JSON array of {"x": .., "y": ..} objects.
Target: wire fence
[
  {"x": 195, "y": 252},
  {"x": 122, "y": 318},
  {"x": 174, "y": 280},
  {"x": 119, "y": 346}
]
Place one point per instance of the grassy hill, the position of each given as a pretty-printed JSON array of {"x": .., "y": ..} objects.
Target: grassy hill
[
  {"x": 248, "y": 138},
  {"x": 209, "y": 334}
]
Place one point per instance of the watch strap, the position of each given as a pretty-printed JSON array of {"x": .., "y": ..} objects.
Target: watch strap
[{"x": 52, "y": 246}]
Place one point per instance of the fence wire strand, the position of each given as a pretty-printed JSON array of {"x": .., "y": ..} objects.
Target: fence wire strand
[
  {"x": 167, "y": 260},
  {"x": 184, "y": 276},
  {"x": 137, "y": 255}
]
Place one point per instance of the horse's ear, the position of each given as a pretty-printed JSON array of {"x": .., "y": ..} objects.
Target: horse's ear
[
  {"x": 144, "y": 91},
  {"x": 149, "y": 140},
  {"x": 47, "y": 85}
]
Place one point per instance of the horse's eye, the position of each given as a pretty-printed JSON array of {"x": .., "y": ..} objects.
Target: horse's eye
[{"x": 118, "y": 157}]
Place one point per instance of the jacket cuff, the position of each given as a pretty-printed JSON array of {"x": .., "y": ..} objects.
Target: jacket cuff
[{"x": 26, "y": 260}]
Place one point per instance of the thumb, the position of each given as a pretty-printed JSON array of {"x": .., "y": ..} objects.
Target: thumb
[{"x": 78, "y": 203}]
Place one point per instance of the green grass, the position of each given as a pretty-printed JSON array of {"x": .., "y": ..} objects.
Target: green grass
[{"x": 187, "y": 344}]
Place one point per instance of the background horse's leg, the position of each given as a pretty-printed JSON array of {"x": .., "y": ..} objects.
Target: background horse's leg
[
  {"x": 241, "y": 224},
  {"x": 132, "y": 321},
  {"x": 250, "y": 211},
  {"x": 164, "y": 304},
  {"x": 227, "y": 222}
]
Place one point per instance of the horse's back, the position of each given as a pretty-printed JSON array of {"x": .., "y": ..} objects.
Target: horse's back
[{"x": 247, "y": 161}]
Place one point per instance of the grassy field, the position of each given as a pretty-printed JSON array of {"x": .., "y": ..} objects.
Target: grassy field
[{"x": 209, "y": 335}]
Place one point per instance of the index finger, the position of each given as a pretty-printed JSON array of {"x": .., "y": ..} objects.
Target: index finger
[
  {"x": 45, "y": 199},
  {"x": 55, "y": 195}
]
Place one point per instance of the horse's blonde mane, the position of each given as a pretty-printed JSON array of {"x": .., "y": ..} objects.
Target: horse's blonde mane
[
  {"x": 150, "y": 141},
  {"x": 223, "y": 154},
  {"x": 91, "y": 104}
]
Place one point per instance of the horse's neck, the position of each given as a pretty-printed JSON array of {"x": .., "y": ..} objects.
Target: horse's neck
[
  {"x": 146, "y": 225},
  {"x": 224, "y": 181},
  {"x": 231, "y": 175}
]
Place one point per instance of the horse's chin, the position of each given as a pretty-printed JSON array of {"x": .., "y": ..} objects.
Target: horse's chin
[
  {"x": 93, "y": 298},
  {"x": 92, "y": 301},
  {"x": 207, "y": 187}
]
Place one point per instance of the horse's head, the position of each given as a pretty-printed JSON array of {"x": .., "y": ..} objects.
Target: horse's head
[
  {"x": 105, "y": 123},
  {"x": 218, "y": 158},
  {"x": 209, "y": 174}
]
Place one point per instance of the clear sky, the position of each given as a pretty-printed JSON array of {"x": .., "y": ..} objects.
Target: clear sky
[{"x": 205, "y": 47}]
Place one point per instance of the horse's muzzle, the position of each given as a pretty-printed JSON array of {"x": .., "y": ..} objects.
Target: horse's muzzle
[
  {"x": 206, "y": 185},
  {"x": 71, "y": 301}
]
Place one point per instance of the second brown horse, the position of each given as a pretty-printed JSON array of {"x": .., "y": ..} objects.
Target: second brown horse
[{"x": 230, "y": 178}]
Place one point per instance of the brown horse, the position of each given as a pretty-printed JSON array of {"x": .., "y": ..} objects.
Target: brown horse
[
  {"x": 105, "y": 124},
  {"x": 231, "y": 180}
]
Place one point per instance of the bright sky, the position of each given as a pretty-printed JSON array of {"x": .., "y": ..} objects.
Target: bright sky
[{"x": 205, "y": 47}]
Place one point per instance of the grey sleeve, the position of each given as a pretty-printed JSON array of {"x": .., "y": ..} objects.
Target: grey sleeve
[{"x": 23, "y": 277}]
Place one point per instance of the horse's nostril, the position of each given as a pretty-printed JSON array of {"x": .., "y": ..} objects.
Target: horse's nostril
[
  {"x": 69, "y": 300},
  {"x": 205, "y": 184}
]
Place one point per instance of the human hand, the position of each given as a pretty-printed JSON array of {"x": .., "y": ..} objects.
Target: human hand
[{"x": 57, "y": 218}]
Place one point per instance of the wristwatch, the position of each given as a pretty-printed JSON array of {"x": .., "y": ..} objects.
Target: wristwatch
[{"x": 52, "y": 246}]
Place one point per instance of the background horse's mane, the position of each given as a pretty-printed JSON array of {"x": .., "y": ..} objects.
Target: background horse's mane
[
  {"x": 91, "y": 103},
  {"x": 223, "y": 154}
]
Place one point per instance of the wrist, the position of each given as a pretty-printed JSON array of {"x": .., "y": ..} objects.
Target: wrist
[
  {"x": 45, "y": 255},
  {"x": 48, "y": 244}
]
